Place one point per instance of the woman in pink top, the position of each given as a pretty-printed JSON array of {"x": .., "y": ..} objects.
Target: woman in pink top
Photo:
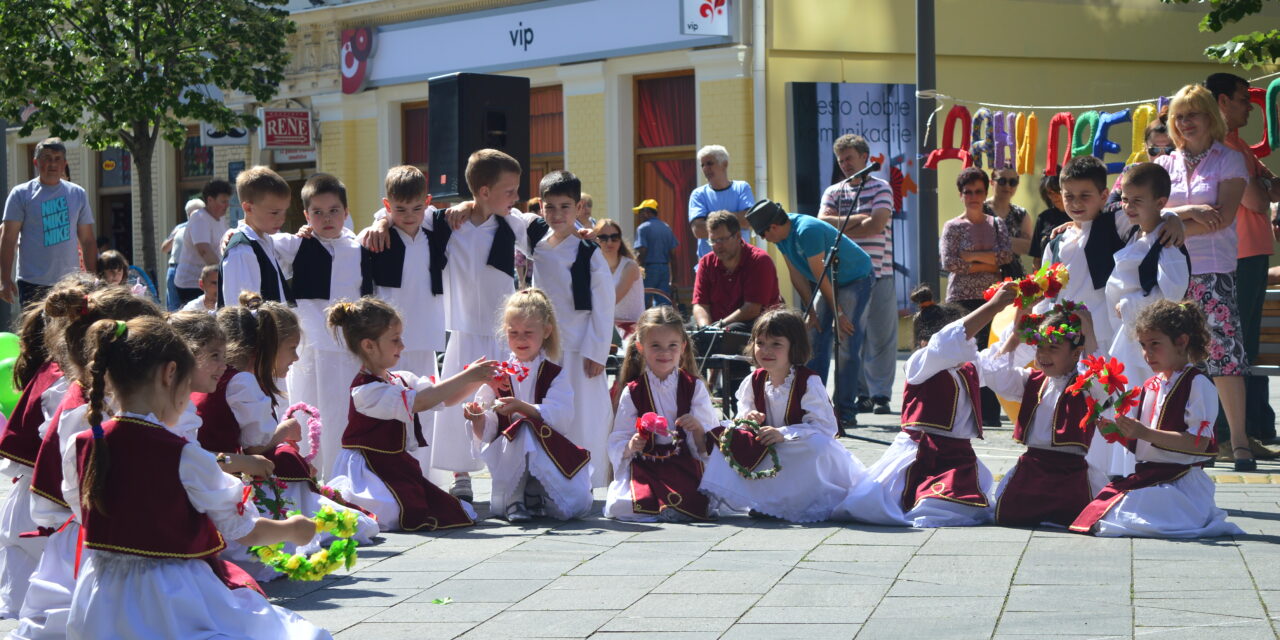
[{"x": 1208, "y": 182}]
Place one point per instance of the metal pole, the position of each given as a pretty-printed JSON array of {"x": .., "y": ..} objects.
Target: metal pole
[
  {"x": 7, "y": 311},
  {"x": 926, "y": 79}
]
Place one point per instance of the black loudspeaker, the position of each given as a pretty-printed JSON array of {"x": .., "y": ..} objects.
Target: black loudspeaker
[{"x": 472, "y": 111}]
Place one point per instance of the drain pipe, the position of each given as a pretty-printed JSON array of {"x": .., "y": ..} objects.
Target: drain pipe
[{"x": 760, "y": 123}]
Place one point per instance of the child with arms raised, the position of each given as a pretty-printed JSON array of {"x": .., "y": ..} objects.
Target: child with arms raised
[
  {"x": 141, "y": 580},
  {"x": 375, "y": 468},
  {"x": 658, "y": 446},
  {"x": 1168, "y": 495},
  {"x": 789, "y": 403},
  {"x": 538, "y": 470}
]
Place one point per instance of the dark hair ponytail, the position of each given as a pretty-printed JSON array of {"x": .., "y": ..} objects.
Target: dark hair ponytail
[{"x": 931, "y": 316}]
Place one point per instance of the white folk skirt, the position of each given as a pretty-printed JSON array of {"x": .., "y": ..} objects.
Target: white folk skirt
[
  {"x": 510, "y": 462},
  {"x": 817, "y": 473},
  {"x": 1183, "y": 508}
]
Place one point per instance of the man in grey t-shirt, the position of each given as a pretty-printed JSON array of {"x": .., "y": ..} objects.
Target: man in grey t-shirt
[{"x": 48, "y": 221}]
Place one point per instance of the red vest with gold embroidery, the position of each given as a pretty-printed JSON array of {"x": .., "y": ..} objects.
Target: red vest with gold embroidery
[
  {"x": 46, "y": 479},
  {"x": 1172, "y": 415},
  {"x": 547, "y": 373},
  {"x": 20, "y": 441},
  {"x": 144, "y": 462},
  {"x": 1067, "y": 415},
  {"x": 933, "y": 403},
  {"x": 363, "y": 432},
  {"x": 643, "y": 399},
  {"x": 799, "y": 385},
  {"x": 219, "y": 429}
]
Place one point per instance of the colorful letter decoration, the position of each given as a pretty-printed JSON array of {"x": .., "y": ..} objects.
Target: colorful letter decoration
[
  {"x": 1143, "y": 114},
  {"x": 1258, "y": 96},
  {"x": 1054, "y": 160},
  {"x": 1026, "y": 134},
  {"x": 1082, "y": 138},
  {"x": 958, "y": 115},
  {"x": 982, "y": 145},
  {"x": 1006, "y": 141},
  {"x": 1101, "y": 145},
  {"x": 1273, "y": 114}
]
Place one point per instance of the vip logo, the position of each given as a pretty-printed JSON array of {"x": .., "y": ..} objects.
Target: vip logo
[
  {"x": 521, "y": 36},
  {"x": 353, "y": 58},
  {"x": 712, "y": 8}
]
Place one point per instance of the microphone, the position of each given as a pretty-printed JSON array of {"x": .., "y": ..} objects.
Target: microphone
[{"x": 869, "y": 169}]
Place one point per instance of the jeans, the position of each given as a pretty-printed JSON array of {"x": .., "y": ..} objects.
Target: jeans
[
  {"x": 30, "y": 293},
  {"x": 171, "y": 290},
  {"x": 657, "y": 275},
  {"x": 1251, "y": 291},
  {"x": 880, "y": 349},
  {"x": 852, "y": 298}
]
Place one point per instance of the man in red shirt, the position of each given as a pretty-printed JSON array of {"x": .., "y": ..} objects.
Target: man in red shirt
[{"x": 736, "y": 282}]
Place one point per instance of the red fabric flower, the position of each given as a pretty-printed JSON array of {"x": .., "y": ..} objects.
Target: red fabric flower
[
  {"x": 1127, "y": 401},
  {"x": 1111, "y": 433},
  {"x": 651, "y": 423},
  {"x": 1081, "y": 381},
  {"x": 1112, "y": 376}
]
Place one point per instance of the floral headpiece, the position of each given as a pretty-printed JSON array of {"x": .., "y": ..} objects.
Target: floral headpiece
[
  {"x": 1068, "y": 332},
  {"x": 1046, "y": 282}
]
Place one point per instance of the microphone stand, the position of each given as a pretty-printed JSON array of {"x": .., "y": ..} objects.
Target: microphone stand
[{"x": 831, "y": 262}]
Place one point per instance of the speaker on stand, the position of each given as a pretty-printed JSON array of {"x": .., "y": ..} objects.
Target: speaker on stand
[{"x": 468, "y": 112}]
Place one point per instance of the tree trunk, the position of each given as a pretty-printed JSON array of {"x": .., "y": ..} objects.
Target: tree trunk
[{"x": 143, "y": 148}]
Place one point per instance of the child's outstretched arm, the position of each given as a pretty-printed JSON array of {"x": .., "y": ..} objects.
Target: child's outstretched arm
[
  {"x": 982, "y": 316},
  {"x": 296, "y": 529},
  {"x": 456, "y": 388},
  {"x": 1086, "y": 327},
  {"x": 1164, "y": 439}
]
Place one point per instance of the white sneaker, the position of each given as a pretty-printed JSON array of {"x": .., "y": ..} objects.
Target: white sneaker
[{"x": 461, "y": 488}]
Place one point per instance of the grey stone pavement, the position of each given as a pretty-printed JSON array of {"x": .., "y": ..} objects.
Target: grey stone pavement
[{"x": 741, "y": 578}]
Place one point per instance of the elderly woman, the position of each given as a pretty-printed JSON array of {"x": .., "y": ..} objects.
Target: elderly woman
[
  {"x": 973, "y": 246},
  {"x": 1015, "y": 218},
  {"x": 1208, "y": 182}
]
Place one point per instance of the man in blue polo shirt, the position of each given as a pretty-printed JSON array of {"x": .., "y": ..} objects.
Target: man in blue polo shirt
[{"x": 803, "y": 240}]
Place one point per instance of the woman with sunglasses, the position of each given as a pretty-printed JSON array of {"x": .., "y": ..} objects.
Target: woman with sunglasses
[
  {"x": 627, "y": 277},
  {"x": 1016, "y": 220}
]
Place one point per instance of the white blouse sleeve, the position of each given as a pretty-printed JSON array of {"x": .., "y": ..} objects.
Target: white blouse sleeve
[
  {"x": 239, "y": 273},
  {"x": 704, "y": 412},
  {"x": 45, "y": 512},
  {"x": 1005, "y": 373},
  {"x": 746, "y": 397},
  {"x": 557, "y": 407},
  {"x": 948, "y": 348},
  {"x": 819, "y": 416},
  {"x": 70, "y": 493},
  {"x": 384, "y": 401},
  {"x": 596, "y": 345},
  {"x": 1173, "y": 275},
  {"x": 286, "y": 246},
  {"x": 252, "y": 409},
  {"x": 214, "y": 493},
  {"x": 624, "y": 426},
  {"x": 485, "y": 397},
  {"x": 1202, "y": 407},
  {"x": 52, "y": 397}
]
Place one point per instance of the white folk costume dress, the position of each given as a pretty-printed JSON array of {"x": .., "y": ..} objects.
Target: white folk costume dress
[
  {"x": 817, "y": 473},
  {"x": 251, "y": 264},
  {"x": 930, "y": 476},
  {"x": 475, "y": 270},
  {"x": 19, "y": 445},
  {"x": 1145, "y": 272},
  {"x": 1051, "y": 482},
  {"x": 376, "y": 468},
  {"x": 576, "y": 277},
  {"x": 1169, "y": 495},
  {"x": 140, "y": 581},
  {"x": 239, "y": 415},
  {"x": 322, "y": 271},
  {"x": 400, "y": 275},
  {"x": 516, "y": 448},
  {"x": 661, "y": 482}
]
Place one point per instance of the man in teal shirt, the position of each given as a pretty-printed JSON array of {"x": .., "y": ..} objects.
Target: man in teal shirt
[{"x": 803, "y": 240}]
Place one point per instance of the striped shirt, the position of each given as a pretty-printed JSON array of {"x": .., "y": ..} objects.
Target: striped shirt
[{"x": 877, "y": 194}]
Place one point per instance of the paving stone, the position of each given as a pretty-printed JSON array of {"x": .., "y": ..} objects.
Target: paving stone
[
  {"x": 1066, "y": 572},
  {"x": 932, "y": 628},
  {"x": 805, "y": 616},
  {"x": 603, "y": 582},
  {"x": 546, "y": 624},
  {"x": 690, "y": 605},
  {"x": 493, "y": 570},
  {"x": 463, "y": 591},
  {"x": 941, "y": 606},
  {"x": 786, "y": 538},
  {"x": 756, "y": 582},
  {"x": 615, "y": 598},
  {"x": 662, "y": 624},
  {"x": 326, "y": 598},
  {"x": 643, "y": 635},
  {"x": 404, "y": 631},
  {"x": 854, "y": 553},
  {"x": 743, "y": 631},
  {"x": 421, "y": 612},
  {"x": 628, "y": 564},
  {"x": 843, "y": 573},
  {"x": 334, "y": 618},
  {"x": 1115, "y": 620},
  {"x": 376, "y": 580},
  {"x": 884, "y": 536},
  {"x": 1244, "y": 603},
  {"x": 803, "y": 595},
  {"x": 1247, "y": 630},
  {"x": 745, "y": 560},
  {"x": 1166, "y": 614},
  {"x": 1039, "y": 597},
  {"x": 950, "y": 575}
]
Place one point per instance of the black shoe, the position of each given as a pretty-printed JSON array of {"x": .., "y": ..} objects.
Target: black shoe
[
  {"x": 881, "y": 406},
  {"x": 1246, "y": 464},
  {"x": 863, "y": 405}
]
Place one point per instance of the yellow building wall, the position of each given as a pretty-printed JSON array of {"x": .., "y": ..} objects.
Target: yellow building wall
[
  {"x": 349, "y": 150},
  {"x": 725, "y": 117},
  {"x": 584, "y": 152}
]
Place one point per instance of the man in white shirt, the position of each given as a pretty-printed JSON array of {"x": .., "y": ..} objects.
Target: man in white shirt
[{"x": 201, "y": 242}]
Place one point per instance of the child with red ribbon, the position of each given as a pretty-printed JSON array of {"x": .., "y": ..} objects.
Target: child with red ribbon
[{"x": 1168, "y": 495}]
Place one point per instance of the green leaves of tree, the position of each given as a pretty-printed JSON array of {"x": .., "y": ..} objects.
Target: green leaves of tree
[{"x": 1247, "y": 50}]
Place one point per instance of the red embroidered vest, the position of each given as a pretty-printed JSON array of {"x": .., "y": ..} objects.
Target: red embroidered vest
[
  {"x": 46, "y": 480},
  {"x": 642, "y": 398},
  {"x": 547, "y": 373},
  {"x": 383, "y": 436},
  {"x": 933, "y": 403},
  {"x": 799, "y": 385},
  {"x": 144, "y": 462},
  {"x": 20, "y": 440},
  {"x": 1172, "y": 415},
  {"x": 219, "y": 430},
  {"x": 1067, "y": 415}
]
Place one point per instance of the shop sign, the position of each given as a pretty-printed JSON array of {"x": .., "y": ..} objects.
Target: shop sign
[
  {"x": 705, "y": 18},
  {"x": 285, "y": 129},
  {"x": 294, "y": 156}
]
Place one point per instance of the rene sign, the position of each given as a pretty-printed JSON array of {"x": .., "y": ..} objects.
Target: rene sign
[{"x": 285, "y": 129}]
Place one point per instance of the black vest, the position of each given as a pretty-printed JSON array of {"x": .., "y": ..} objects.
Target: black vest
[
  {"x": 502, "y": 253},
  {"x": 313, "y": 272},
  {"x": 272, "y": 279},
  {"x": 579, "y": 271},
  {"x": 386, "y": 268},
  {"x": 1150, "y": 265},
  {"x": 1099, "y": 250}
]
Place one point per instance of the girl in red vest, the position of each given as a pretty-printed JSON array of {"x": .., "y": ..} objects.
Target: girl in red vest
[
  {"x": 1168, "y": 495},
  {"x": 930, "y": 476},
  {"x": 816, "y": 471},
  {"x": 659, "y": 441},
  {"x": 44, "y": 611},
  {"x": 150, "y": 566},
  {"x": 242, "y": 415},
  {"x": 537, "y": 471},
  {"x": 376, "y": 468},
  {"x": 1052, "y": 481}
]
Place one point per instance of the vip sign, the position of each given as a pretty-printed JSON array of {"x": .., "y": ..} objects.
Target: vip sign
[
  {"x": 285, "y": 129},
  {"x": 705, "y": 17}
]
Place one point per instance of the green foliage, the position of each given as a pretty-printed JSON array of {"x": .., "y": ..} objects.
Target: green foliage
[{"x": 1246, "y": 50}]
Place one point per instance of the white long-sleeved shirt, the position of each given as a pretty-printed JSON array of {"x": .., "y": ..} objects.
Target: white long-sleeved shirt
[
  {"x": 240, "y": 271},
  {"x": 946, "y": 351},
  {"x": 556, "y": 407},
  {"x": 1007, "y": 374},
  {"x": 419, "y": 310},
  {"x": 819, "y": 417},
  {"x": 1125, "y": 299},
  {"x": 252, "y": 408},
  {"x": 587, "y": 332},
  {"x": 664, "y": 399},
  {"x": 1200, "y": 414},
  {"x": 474, "y": 292},
  {"x": 344, "y": 284},
  {"x": 392, "y": 401}
]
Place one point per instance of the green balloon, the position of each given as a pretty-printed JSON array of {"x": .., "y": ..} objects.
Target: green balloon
[
  {"x": 9, "y": 346},
  {"x": 8, "y": 394}
]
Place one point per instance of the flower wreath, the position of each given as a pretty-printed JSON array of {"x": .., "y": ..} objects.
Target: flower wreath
[
  {"x": 313, "y": 427},
  {"x": 342, "y": 553},
  {"x": 651, "y": 424},
  {"x": 1046, "y": 282},
  {"x": 726, "y": 440},
  {"x": 1068, "y": 332},
  {"x": 275, "y": 505}
]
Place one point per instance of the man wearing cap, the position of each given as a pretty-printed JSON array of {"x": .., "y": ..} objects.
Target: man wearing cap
[
  {"x": 655, "y": 243},
  {"x": 803, "y": 240}
]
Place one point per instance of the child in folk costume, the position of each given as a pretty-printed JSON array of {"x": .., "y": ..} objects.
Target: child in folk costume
[
  {"x": 816, "y": 472},
  {"x": 48, "y": 602},
  {"x": 659, "y": 443},
  {"x": 376, "y": 468},
  {"x": 1168, "y": 495},
  {"x": 1051, "y": 482},
  {"x": 137, "y": 579},
  {"x": 537, "y": 468},
  {"x": 1146, "y": 271},
  {"x": 584, "y": 304},
  {"x": 250, "y": 263},
  {"x": 930, "y": 476}
]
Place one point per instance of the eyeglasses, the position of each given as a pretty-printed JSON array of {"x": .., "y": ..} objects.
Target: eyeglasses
[
  {"x": 609, "y": 237},
  {"x": 1007, "y": 182},
  {"x": 1159, "y": 151},
  {"x": 718, "y": 241}
]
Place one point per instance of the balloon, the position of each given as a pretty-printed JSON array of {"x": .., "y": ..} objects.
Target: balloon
[
  {"x": 1082, "y": 139},
  {"x": 1273, "y": 114},
  {"x": 958, "y": 115},
  {"x": 1143, "y": 114},
  {"x": 1259, "y": 97},
  {"x": 1026, "y": 134},
  {"x": 1101, "y": 145},
  {"x": 8, "y": 394},
  {"x": 9, "y": 346},
  {"x": 983, "y": 145},
  {"x": 1006, "y": 141},
  {"x": 1051, "y": 161}
]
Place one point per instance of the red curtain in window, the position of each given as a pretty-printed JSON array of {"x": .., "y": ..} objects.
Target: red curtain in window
[
  {"x": 415, "y": 136},
  {"x": 666, "y": 112},
  {"x": 665, "y": 118},
  {"x": 546, "y": 120}
]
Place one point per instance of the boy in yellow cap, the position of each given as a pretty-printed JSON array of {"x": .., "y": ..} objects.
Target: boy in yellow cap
[{"x": 654, "y": 245}]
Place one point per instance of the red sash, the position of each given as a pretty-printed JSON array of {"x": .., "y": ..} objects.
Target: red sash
[
  {"x": 944, "y": 468},
  {"x": 232, "y": 575},
  {"x": 667, "y": 476},
  {"x": 46, "y": 479},
  {"x": 1067, "y": 414},
  {"x": 1047, "y": 486},
  {"x": 1147, "y": 474},
  {"x": 20, "y": 440},
  {"x": 568, "y": 457}
]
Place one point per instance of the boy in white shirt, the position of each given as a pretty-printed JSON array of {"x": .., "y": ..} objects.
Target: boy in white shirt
[{"x": 249, "y": 262}]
